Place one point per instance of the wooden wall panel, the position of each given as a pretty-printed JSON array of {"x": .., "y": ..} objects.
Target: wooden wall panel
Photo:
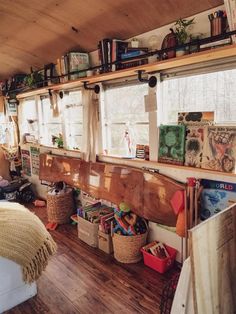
[
  {"x": 148, "y": 194},
  {"x": 213, "y": 264}
]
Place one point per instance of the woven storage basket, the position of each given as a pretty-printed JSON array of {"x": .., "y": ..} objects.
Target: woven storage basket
[
  {"x": 60, "y": 207},
  {"x": 127, "y": 248}
]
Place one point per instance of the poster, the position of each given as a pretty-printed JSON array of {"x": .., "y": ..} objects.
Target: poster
[
  {"x": 220, "y": 149},
  {"x": 171, "y": 144},
  {"x": 26, "y": 164},
  {"x": 34, "y": 151},
  {"x": 216, "y": 196}
]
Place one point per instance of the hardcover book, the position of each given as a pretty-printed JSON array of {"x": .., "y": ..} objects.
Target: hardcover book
[
  {"x": 216, "y": 196},
  {"x": 171, "y": 144},
  {"x": 219, "y": 151},
  {"x": 77, "y": 61},
  {"x": 196, "y": 118},
  {"x": 194, "y": 144}
]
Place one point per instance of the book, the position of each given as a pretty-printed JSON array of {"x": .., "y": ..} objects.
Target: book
[
  {"x": 132, "y": 54},
  {"x": 216, "y": 196},
  {"x": 196, "y": 118},
  {"x": 222, "y": 42},
  {"x": 130, "y": 64},
  {"x": 194, "y": 144},
  {"x": 159, "y": 250},
  {"x": 171, "y": 144},
  {"x": 77, "y": 61},
  {"x": 219, "y": 152}
]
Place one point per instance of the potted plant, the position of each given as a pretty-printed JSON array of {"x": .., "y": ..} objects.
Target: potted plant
[
  {"x": 34, "y": 79},
  {"x": 58, "y": 140},
  {"x": 182, "y": 35}
]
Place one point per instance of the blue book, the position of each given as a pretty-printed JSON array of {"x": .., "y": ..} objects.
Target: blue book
[
  {"x": 216, "y": 196},
  {"x": 132, "y": 54}
]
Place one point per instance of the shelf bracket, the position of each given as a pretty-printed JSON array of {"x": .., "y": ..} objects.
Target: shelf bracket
[
  {"x": 96, "y": 88},
  {"x": 152, "y": 81}
]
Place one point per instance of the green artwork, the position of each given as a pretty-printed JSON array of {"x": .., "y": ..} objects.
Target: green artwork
[{"x": 171, "y": 144}]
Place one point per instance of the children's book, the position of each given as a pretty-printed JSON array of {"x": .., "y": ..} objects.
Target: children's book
[
  {"x": 220, "y": 149},
  {"x": 171, "y": 144},
  {"x": 216, "y": 196},
  {"x": 195, "y": 136},
  {"x": 196, "y": 118},
  {"x": 159, "y": 250}
]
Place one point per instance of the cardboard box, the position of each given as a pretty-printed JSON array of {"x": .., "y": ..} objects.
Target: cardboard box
[
  {"x": 88, "y": 232},
  {"x": 105, "y": 242}
]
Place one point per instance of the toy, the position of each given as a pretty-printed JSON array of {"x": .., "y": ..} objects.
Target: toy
[{"x": 126, "y": 222}]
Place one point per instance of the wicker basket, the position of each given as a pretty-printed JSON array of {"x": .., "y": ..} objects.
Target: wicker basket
[
  {"x": 60, "y": 207},
  {"x": 127, "y": 248}
]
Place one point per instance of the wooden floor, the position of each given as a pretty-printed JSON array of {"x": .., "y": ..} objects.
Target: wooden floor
[{"x": 81, "y": 279}]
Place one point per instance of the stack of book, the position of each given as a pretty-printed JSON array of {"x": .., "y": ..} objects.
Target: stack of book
[
  {"x": 114, "y": 54},
  {"x": 216, "y": 44},
  {"x": 157, "y": 249},
  {"x": 93, "y": 213},
  {"x": 72, "y": 62}
]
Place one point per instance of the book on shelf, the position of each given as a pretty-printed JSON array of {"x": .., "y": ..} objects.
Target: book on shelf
[
  {"x": 116, "y": 50},
  {"x": 215, "y": 44},
  {"x": 131, "y": 63},
  {"x": 133, "y": 52},
  {"x": 72, "y": 62},
  {"x": 77, "y": 61}
]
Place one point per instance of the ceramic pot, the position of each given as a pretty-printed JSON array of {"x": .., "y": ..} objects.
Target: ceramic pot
[{"x": 180, "y": 52}]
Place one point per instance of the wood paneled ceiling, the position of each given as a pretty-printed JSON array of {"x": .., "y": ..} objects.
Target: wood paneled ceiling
[{"x": 34, "y": 33}]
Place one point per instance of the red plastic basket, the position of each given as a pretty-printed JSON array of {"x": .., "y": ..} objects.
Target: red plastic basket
[{"x": 160, "y": 264}]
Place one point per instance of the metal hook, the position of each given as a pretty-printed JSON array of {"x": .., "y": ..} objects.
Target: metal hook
[
  {"x": 96, "y": 88},
  {"x": 152, "y": 81}
]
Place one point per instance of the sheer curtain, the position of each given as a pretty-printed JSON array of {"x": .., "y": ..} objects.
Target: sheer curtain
[{"x": 90, "y": 102}]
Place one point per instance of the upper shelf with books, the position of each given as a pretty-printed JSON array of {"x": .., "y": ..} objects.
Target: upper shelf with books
[{"x": 223, "y": 53}]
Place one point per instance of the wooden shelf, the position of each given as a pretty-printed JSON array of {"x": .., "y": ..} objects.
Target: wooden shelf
[
  {"x": 200, "y": 57},
  {"x": 158, "y": 165}
]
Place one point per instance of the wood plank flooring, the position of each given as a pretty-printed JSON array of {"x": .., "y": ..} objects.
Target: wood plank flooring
[{"x": 81, "y": 279}]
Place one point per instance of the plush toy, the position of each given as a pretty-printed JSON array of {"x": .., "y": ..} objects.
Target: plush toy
[{"x": 124, "y": 219}]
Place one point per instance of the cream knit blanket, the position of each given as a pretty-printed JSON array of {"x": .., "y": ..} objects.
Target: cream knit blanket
[{"x": 24, "y": 240}]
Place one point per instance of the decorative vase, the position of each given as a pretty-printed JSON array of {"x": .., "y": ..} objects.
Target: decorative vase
[{"x": 134, "y": 43}]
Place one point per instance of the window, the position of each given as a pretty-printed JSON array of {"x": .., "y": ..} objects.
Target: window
[
  {"x": 73, "y": 119},
  {"x": 125, "y": 120},
  {"x": 38, "y": 118},
  {"x": 6, "y": 131},
  {"x": 50, "y": 122},
  {"x": 206, "y": 92},
  {"x": 29, "y": 123}
]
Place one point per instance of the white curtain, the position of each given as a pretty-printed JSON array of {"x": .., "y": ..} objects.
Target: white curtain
[
  {"x": 90, "y": 102},
  {"x": 230, "y": 6}
]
